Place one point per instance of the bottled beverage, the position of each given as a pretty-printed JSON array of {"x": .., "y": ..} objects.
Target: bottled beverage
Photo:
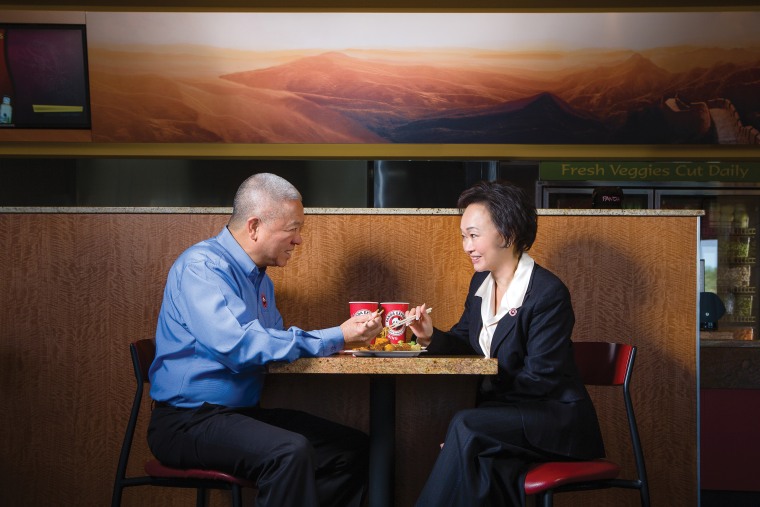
[
  {"x": 741, "y": 217},
  {"x": 729, "y": 301},
  {"x": 6, "y": 110}
]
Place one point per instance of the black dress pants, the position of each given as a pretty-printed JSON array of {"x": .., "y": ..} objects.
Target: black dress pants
[
  {"x": 484, "y": 455},
  {"x": 295, "y": 459}
]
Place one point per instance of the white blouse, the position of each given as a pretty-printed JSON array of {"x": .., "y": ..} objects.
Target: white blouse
[{"x": 512, "y": 300}]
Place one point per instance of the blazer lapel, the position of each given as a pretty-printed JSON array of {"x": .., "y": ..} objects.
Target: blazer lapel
[
  {"x": 503, "y": 328},
  {"x": 476, "y": 322},
  {"x": 507, "y": 323}
]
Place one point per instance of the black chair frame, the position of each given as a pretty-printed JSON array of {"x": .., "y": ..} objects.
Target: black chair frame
[
  {"x": 640, "y": 483},
  {"x": 122, "y": 481}
]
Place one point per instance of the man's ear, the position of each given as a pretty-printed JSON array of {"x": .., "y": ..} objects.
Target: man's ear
[{"x": 252, "y": 227}]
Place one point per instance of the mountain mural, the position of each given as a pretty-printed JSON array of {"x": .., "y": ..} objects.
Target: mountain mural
[{"x": 354, "y": 97}]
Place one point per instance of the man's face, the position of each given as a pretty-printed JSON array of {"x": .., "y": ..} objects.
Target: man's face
[{"x": 276, "y": 238}]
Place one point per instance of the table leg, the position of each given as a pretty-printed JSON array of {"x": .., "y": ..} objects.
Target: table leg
[{"x": 382, "y": 440}]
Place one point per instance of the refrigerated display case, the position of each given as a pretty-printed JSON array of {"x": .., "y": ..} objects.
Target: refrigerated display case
[
  {"x": 728, "y": 247},
  {"x": 728, "y": 236}
]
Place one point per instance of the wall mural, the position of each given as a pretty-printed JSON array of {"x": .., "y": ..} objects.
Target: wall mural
[{"x": 514, "y": 78}]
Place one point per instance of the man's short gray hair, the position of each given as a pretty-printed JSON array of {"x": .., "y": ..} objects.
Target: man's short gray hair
[{"x": 260, "y": 195}]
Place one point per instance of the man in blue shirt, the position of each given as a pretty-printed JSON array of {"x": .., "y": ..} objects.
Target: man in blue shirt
[{"x": 217, "y": 329}]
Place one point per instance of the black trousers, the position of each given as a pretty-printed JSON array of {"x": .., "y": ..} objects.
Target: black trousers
[
  {"x": 295, "y": 458},
  {"x": 484, "y": 455}
]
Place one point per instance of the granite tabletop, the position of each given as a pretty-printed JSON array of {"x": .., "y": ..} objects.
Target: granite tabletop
[{"x": 421, "y": 365}]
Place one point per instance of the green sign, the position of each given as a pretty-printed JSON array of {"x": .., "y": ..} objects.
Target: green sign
[{"x": 651, "y": 171}]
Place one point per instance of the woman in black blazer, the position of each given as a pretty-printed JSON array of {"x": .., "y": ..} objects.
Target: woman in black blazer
[{"x": 536, "y": 408}]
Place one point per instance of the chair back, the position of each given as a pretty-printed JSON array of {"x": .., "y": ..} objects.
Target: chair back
[
  {"x": 603, "y": 363},
  {"x": 143, "y": 352},
  {"x": 611, "y": 364}
]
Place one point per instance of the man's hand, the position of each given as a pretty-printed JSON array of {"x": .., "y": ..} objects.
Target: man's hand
[{"x": 361, "y": 329}]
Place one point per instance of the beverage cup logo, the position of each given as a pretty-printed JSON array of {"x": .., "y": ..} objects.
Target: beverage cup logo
[
  {"x": 361, "y": 307},
  {"x": 397, "y": 334}
]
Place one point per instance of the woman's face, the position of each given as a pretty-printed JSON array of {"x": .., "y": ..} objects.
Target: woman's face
[{"x": 481, "y": 241}]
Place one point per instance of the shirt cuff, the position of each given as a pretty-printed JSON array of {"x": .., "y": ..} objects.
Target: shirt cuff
[{"x": 332, "y": 340}]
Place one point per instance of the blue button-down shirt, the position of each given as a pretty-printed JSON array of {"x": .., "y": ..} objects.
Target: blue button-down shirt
[{"x": 219, "y": 326}]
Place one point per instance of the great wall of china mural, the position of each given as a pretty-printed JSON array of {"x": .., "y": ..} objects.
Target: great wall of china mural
[{"x": 591, "y": 78}]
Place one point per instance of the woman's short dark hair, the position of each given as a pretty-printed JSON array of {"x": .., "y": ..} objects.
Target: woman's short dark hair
[{"x": 512, "y": 212}]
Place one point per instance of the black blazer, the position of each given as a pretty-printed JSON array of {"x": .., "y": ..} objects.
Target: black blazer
[{"x": 537, "y": 371}]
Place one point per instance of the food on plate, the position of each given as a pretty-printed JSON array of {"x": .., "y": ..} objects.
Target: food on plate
[{"x": 384, "y": 344}]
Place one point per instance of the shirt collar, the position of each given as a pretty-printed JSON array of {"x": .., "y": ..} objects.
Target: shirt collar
[
  {"x": 519, "y": 286},
  {"x": 516, "y": 291},
  {"x": 242, "y": 259}
]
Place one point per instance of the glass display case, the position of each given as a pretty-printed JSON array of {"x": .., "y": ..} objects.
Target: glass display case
[{"x": 728, "y": 247}]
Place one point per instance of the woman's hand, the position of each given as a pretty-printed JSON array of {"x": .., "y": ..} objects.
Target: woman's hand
[{"x": 422, "y": 326}]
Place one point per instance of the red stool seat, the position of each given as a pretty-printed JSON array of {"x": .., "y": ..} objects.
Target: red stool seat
[
  {"x": 155, "y": 468},
  {"x": 558, "y": 473}
]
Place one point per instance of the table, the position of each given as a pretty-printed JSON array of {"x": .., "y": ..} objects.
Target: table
[{"x": 382, "y": 400}]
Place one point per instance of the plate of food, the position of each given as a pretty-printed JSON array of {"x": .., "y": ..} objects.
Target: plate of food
[{"x": 382, "y": 347}]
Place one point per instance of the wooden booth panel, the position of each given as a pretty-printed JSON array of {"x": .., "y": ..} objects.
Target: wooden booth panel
[
  {"x": 79, "y": 287},
  {"x": 633, "y": 279}
]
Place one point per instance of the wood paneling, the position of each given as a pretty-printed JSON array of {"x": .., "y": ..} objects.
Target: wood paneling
[
  {"x": 633, "y": 279},
  {"x": 79, "y": 287}
]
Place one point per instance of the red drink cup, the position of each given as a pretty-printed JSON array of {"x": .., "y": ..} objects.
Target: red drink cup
[
  {"x": 393, "y": 312},
  {"x": 361, "y": 307}
]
